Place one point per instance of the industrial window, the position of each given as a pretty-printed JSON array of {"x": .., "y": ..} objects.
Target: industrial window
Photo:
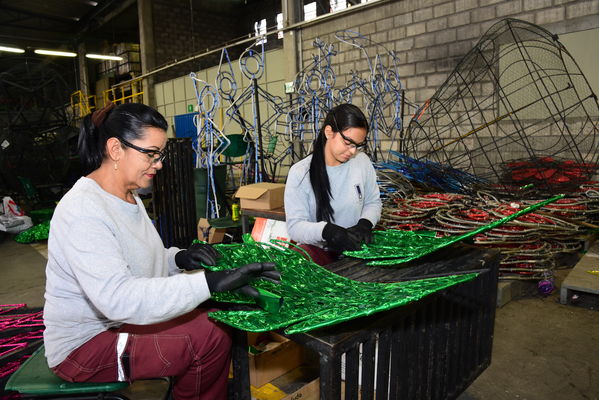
[
  {"x": 309, "y": 11},
  {"x": 314, "y": 9},
  {"x": 280, "y": 25},
  {"x": 260, "y": 31},
  {"x": 337, "y": 5}
]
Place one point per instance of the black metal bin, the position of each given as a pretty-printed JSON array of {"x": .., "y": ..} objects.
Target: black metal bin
[{"x": 430, "y": 349}]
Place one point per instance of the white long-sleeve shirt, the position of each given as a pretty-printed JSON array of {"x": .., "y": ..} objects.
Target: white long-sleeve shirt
[
  {"x": 355, "y": 195},
  {"x": 107, "y": 266}
]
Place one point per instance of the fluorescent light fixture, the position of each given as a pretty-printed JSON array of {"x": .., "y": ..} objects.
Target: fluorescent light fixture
[
  {"x": 11, "y": 49},
  {"x": 103, "y": 57},
  {"x": 55, "y": 53}
]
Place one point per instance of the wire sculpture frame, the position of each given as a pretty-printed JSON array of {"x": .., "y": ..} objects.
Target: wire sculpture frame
[{"x": 516, "y": 110}]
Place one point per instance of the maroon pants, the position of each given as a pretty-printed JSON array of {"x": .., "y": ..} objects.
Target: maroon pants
[{"x": 191, "y": 348}]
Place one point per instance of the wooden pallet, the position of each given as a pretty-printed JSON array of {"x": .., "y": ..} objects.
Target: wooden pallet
[{"x": 579, "y": 279}]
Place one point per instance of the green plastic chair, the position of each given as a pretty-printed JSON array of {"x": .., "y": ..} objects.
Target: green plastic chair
[
  {"x": 237, "y": 148},
  {"x": 34, "y": 379}
]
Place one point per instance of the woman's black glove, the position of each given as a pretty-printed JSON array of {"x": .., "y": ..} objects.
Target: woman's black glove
[
  {"x": 197, "y": 253},
  {"x": 340, "y": 239},
  {"x": 237, "y": 279},
  {"x": 362, "y": 230}
]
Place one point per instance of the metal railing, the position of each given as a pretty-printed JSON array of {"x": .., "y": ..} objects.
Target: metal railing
[
  {"x": 82, "y": 104},
  {"x": 129, "y": 92}
]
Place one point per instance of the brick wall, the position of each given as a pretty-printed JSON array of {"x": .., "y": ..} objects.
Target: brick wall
[
  {"x": 431, "y": 36},
  {"x": 221, "y": 22},
  {"x": 175, "y": 37}
]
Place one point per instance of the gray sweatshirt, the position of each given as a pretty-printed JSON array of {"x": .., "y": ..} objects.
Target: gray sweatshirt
[
  {"x": 107, "y": 266},
  {"x": 353, "y": 188}
]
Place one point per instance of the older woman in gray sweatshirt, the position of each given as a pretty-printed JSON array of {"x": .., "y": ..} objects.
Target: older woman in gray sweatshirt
[{"x": 117, "y": 305}]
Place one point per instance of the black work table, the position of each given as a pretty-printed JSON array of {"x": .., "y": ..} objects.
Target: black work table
[{"x": 433, "y": 348}]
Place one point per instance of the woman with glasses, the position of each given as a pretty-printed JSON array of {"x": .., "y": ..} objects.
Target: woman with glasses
[
  {"x": 332, "y": 198},
  {"x": 117, "y": 305}
]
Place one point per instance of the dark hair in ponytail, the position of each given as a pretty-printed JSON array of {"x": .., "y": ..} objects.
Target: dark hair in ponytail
[
  {"x": 126, "y": 121},
  {"x": 340, "y": 118}
]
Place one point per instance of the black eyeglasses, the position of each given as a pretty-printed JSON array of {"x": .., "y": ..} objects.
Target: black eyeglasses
[
  {"x": 156, "y": 156},
  {"x": 349, "y": 142}
]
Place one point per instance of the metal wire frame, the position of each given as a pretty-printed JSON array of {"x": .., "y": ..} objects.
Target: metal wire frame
[{"x": 517, "y": 95}]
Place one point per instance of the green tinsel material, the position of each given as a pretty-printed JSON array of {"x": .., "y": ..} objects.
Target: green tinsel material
[
  {"x": 35, "y": 233},
  {"x": 393, "y": 247},
  {"x": 313, "y": 296}
]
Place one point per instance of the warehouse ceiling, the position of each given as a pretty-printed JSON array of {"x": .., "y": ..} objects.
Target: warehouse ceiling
[{"x": 61, "y": 24}]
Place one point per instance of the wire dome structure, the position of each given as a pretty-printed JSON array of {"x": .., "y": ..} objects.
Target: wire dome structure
[{"x": 515, "y": 111}]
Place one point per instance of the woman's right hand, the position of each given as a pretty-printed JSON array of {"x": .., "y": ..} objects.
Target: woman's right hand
[
  {"x": 340, "y": 239},
  {"x": 237, "y": 279}
]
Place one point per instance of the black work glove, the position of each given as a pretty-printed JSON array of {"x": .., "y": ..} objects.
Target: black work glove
[
  {"x": 340, "y": 239},
  {"x": 197, "y": 253},
  {"x": 237, "y": 279},
  {"x": 362, "y": 230}
]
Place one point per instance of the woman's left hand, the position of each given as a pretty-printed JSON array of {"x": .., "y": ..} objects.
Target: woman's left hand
[
  {"x": 362, "y": 230},
  {"x": 195, "y": 255}
]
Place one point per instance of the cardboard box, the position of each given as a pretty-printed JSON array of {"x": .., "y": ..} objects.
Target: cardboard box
[
  {"x": 209, "y": 233},
  {"x": 270, "y": 356},
  {"x": 261, "y": 196},
  {"x": 300, "y": 383}
]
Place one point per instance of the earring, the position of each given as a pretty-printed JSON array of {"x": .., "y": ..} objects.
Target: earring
[{"x": 116, "y": 165}]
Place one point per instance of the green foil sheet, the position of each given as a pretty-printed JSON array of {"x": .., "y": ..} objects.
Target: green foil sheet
[
  {"x": 313, "y": 296},
  {"x": 393, "y": 247},
  {"x": 33, "y": 234}
]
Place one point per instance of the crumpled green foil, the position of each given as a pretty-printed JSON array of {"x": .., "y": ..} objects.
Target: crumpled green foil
[
  {"x": 33, "y": 234},
  {"x": 313, "y": 296},
  {"x": 392, "y": 247}
]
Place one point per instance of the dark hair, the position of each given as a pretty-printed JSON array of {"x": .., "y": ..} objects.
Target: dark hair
[
  {"x": 340, "y": 118},
  {"x": 126, "y": 121}
]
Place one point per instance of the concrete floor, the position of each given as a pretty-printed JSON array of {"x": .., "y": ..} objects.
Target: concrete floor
[{"x": 542, "y": 349}]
